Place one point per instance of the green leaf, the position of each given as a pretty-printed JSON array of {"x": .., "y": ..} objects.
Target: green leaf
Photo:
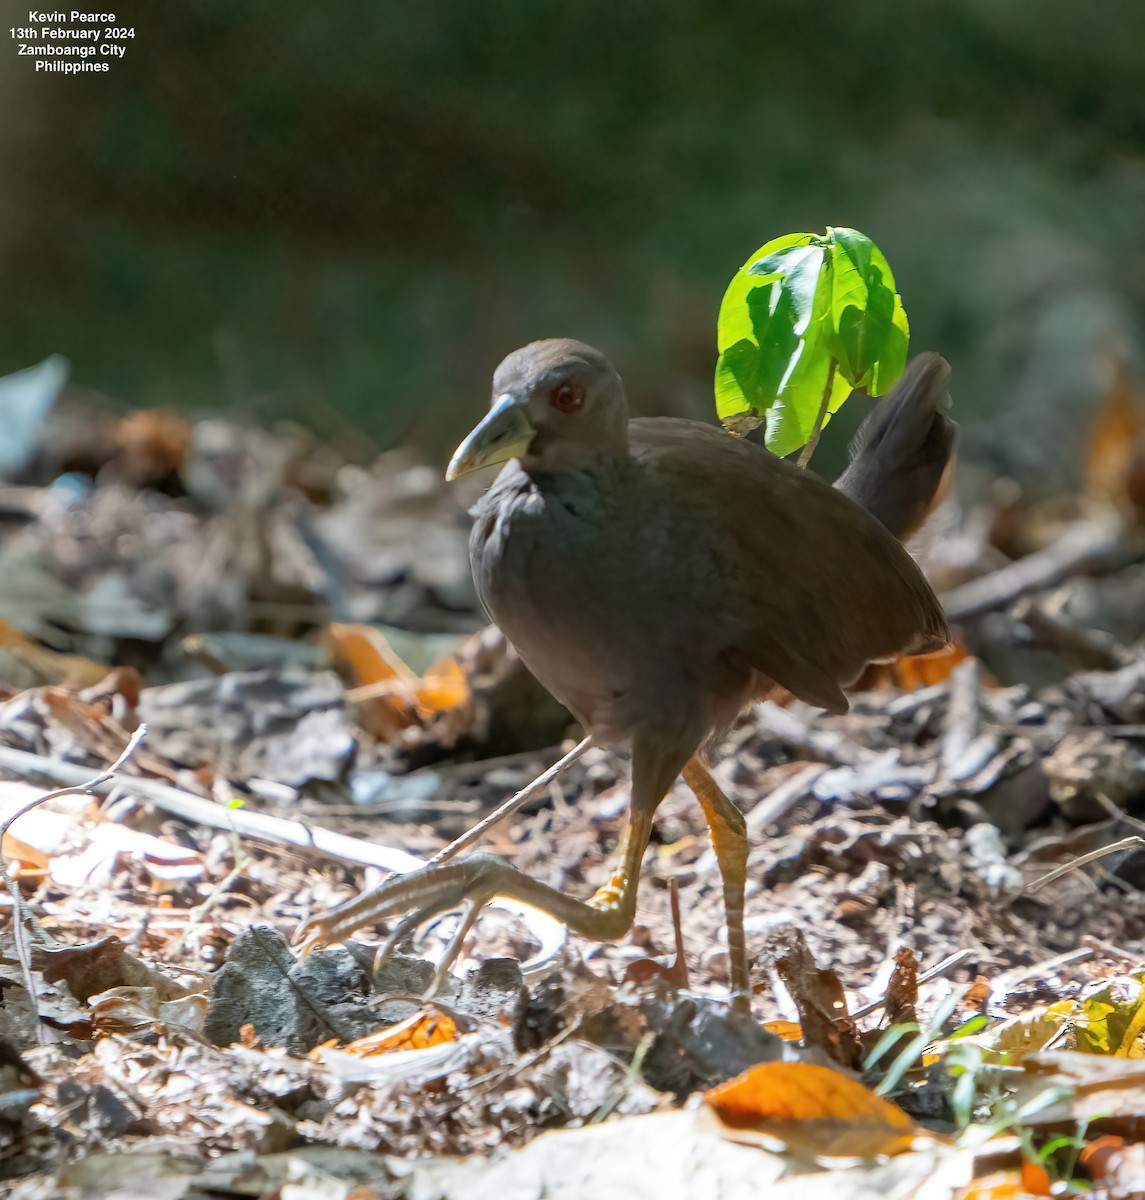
[
  {"x": 862, "y": 305},
  {"x": 751, "y": 370},
  {"x": 1113, "y": 1017},
  {"x": 791, "y": 417},
  {"x": 798, "y": 267},
  {"x": 734, "y": 322},
  {"x": 800, "y": 303},
  {"x": 885, "y": 373}
]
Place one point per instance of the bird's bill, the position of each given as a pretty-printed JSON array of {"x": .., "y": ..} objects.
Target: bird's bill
[{"x": 505, "y": 433}]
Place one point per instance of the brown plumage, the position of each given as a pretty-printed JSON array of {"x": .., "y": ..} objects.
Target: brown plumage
[
  {"x": 656, "y": 575},
  {"x": 665, "y": 578}
]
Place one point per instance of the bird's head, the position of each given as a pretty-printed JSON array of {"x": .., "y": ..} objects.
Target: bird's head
[{"x": 557, "y": 405}]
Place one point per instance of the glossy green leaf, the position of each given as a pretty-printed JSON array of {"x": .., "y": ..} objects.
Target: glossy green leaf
[
  {"x": 791, "y": 417},
  {"x": 862, "y": 305},
  {"x": 765, "y": 312},
  {"x": 1113, "y": 1018},
  {"x": 734, "y": 322},
  {"x": 885, "y": 373},
  {"x": 798, "y": 269},
  {"x": 801, "y": 303}
]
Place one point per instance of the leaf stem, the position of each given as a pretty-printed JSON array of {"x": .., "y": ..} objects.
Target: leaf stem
[{"x": 820, "y": 416}]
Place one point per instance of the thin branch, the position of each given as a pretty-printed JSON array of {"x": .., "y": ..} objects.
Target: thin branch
[
  {"x": 21, "y": 913},
  {"x": 284, "y": 832},
  {"x": 1085, "y": 546},
  {"x": 88, "y": 788},
  {"x": 510, "y": 806},
  {"x": 1126, "y": 843}
]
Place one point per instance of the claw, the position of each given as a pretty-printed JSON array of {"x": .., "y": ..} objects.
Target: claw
[
  {"x": 430, "y": 891},
  {"x": 472, "y": 883}
]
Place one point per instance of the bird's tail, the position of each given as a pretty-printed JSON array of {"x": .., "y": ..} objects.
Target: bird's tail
[{"x": 902, "y": 452}]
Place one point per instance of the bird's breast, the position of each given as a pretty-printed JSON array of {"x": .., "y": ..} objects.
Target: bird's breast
[{"x": 584, "y": 580}]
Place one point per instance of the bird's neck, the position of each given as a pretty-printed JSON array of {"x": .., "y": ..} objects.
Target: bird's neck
[{"x": 556, "y": 456}]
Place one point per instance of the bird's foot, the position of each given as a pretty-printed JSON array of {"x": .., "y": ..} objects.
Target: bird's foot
[
  {"x": 417, "y": 899},
  {"x": 467, "y": 884}
]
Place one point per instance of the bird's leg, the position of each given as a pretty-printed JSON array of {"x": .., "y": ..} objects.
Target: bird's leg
[
  {"x": 472, "y": 882},
  {"x": 729, "y": 841}
]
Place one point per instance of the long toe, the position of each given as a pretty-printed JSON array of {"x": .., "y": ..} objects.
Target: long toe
[{"x": 426, "y": 893}]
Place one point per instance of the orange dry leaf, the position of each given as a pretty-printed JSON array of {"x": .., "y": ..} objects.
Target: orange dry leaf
[
  {"x": 790, "y": 1031},
  {"x": 1010, "y": 1185},
  {"x": 811, "y": 1111},
  {"x": 1097, "y": 1153},
  {"x": 392, "y": 695},
  {"x": 153, "y": 444},
  {"x": 915, "y": 671},
  {"x": 1002, "y": 1185},
  {"x": 1035, "y": 1180},
  {"x": 49, "y": 666},
  {"x": 443, "y": 686},
  {"x": 1116, "y": 436},
  {"x": 418, "y": 1032},
  {"x": 367, "y": 654}
]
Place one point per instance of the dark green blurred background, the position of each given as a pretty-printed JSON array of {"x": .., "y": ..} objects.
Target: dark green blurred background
[{"x": 358, "y": 208}]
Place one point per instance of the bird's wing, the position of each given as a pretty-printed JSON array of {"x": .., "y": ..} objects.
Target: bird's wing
[{"x": 810, "y": 587}]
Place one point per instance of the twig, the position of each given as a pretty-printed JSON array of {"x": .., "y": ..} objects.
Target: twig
[
  {"x": 1000, "y": 984},
  {"x": 1082, "y": 860},
  {"x": 87, "y": 788},
  {"x": 1085, "y": 545},
  {"x": 951, "y": 960},
  {"x": 510, "y": 806},
  {"x": 820, "y": 417},
  {"x": 1117, "y": 814},
  {"x": 217, "y": 893},
  {"x": 283, "y": 832},
  {"x": 277, "y": 830},
  {"x": 963, "y": 713},
  {"x": 20, "y": 911},
  {"x": 779, "y": 802},
  {"x": 680, "y": 966}
]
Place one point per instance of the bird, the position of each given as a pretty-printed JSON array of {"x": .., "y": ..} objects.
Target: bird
[{"x": 657, "y": 575}]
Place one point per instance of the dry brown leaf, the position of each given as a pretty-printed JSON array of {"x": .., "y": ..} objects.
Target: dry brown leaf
[
  {"x": 1008, "y": 1185},
  {"x": 1115, "y": 437},
  {"x": 99, "y": 966},
  {"x": 1094, "y": 1087},
  {"x": 811, "y": 1111},
  {"x": 50, "y": 666},
  {"x": 417, "y": 1032},
  {"x": 790, "y": 1031},
  {"x": 1097, "y": 1153},
  {"x": 153, "y": 444},
  {"x": 134, "y": 1010},
  {"x": 916, "y": 671},
  {"x": 663, "y": 1155},
  {"x": 902, "y": 989},
  {"x": 1118, "y": 1165},
  {"x": 819, "y": 998},
  {"x": 392, "y": 696}
]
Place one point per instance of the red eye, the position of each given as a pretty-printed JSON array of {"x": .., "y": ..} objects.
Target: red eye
[{"x": 567, "y": 397}]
